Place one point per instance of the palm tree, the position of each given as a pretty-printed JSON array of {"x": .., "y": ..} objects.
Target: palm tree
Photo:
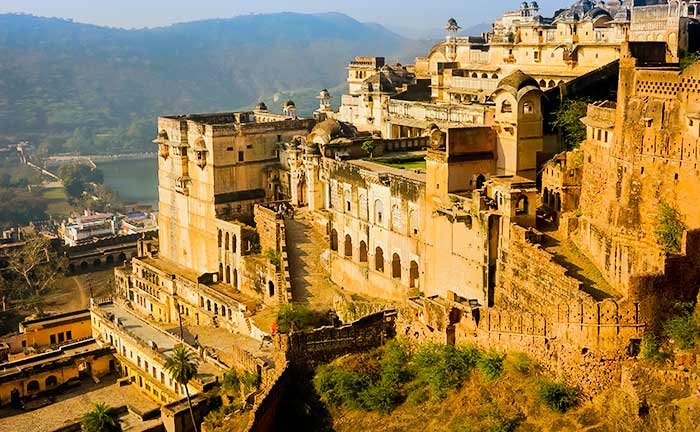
[
  {"x": 182, "y": 367},
  {"x": 101, "y": 418}
]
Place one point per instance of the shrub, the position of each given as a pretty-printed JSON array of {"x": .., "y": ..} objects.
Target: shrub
[
  {"x": 368, "y": 147},
  {"x": 301, "y": 316},
  {"x": 274, "y": 257},
  {"x": 689, "y": 59},
  {"x": 338, "y": 386},
  {"x": 381, "y": 396},
  {"x": 520, "y": 363},
  {"x": 394, "y": 363},
  {"x": 669, "y": 228},
  {"x": 444, "y": 367},
  {"x": 491, "y": 365},
  {"x": 250, "y": 380},
  {"x": 649, "y": 349},
  {"x": 567, "y": 118},
  {"x": 230, "y": 382},
  {"x": 683, "y": 330},
  {"x": 557, "y": 396}
]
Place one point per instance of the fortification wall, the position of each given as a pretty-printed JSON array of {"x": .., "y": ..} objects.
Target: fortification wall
[{"x": 530, "y": 278}]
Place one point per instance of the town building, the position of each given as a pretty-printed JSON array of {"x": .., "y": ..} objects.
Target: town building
[{"x": 82, "y": 229}]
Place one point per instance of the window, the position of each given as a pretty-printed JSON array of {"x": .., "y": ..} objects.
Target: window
[
  {"x": 527, "y": 108},
  {"x": 378, "y": 211},
  {"x": 229, "y": 148},
  {"x": 396, "y": 220},
  {"x": 52, "y": 338},
  {"x": 506, "y": 107},
  {"x": 69, "y": 335},
  {"x": 396, "y": 266},
  {"x": 334, "y": 240},
  {"x": 379, "y": 260},
  {"x": 241, "y": 156}
]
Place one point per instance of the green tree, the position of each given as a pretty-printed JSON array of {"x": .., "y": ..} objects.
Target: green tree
[
  {"x": 101, "y": 418},
  {"x": 368, "y": 147},
  {"x": 77, "y": 177},
  {"x": 567, "y": 118},
  {"x": 669, "y": 228},
  {"x": 181, "y": 365}
]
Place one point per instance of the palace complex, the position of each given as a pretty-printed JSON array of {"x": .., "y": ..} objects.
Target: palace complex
[{"x": 440, "y": 190}]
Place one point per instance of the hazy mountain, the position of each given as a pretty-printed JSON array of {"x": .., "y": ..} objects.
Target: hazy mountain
[{"x": 57, "y": 76}]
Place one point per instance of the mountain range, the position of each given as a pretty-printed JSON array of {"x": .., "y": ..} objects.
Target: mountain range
[{"x": 80, "y": 87}]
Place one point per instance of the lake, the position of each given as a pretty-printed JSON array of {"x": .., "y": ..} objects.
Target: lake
[{"x": 136, "y": 180}]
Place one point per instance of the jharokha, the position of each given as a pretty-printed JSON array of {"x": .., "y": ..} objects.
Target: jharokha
[{"x": 437, "y": 203}]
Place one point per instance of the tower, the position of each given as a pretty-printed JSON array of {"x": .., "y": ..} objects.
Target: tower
[
  {"x": 451, "y": 47},
  {"x": 324, "y": 105},
  {"x": 289, "y": 108}
]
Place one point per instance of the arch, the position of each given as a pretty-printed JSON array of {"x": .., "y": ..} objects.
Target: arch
[
  {"x": 33, "y": 386},
  {"x": 334, "y": 240},
  {"x": 475, "y": 75},
  {"x": 219, "y": 238},
  {"x": 271, "y": 288},
  {"x": 379, "y": 259},
  {"x": 51, "y": 381},
  {"x": 221, "y": 272},
  {"x": 228, "y": 274},
  {"x": 97, "y": 262},
  {"x": 378, "y": 211},
  {"x": 110, "y": 259},
  {"x": 122, "y": 257},
  {"x": 226, "y": 242},
  {"x": 480, "y": 179},
  {"x": 83, "y": 265},
  {"x": 413, "y": 275},
  {"x": 163, "y": 135},
  {"x": 209, "y": 305},
  {"x": 484, "y": 75},
  {"x": 363, "y": 251},
  {"x": 348, "y": 245},
  {"x": 543, "y": 83},
  {"x": 560, "y": 83},
  {"x": 396, "y": 266},
  {"x": 494, "y": 76},
  {"x": 234, "y": 243},
  {"x": 551, "y": 84},
  {"x": 235, "y": 278}
]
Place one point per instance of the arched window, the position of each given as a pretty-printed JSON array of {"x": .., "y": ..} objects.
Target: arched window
[
  {"x": 271, "y": 288},
  {"x": 480, "y": 179},
  {"x": 228, "y": 274},
  {"x": 506, "y": 107},
  {"x": 396, "y": 266},
  {"x": 551, "y": 84},
  {"x": 543, "y": 83},
  {"x": 51, "y": 381},
  {"x": 235, "y": 279},
  {"x": 226, "y": 242},
  {"x": 378, "y": 211},
  {"x": 234, "y": 243},
  {"x": 484, "y": 75},
  {"x": 527, "y": 108},
  {"x": 413, "y": 275},
  {"x": 348, "y": 200},
  {"x": 494, "y": 76},
  {"x": 33, "y": 386},
  {"x": 475, "y": 75},
  {"x": 348, "y": 245},
  {"x": 379, "y": 260},
  {"x": 219, "y": 238},
  {"x": 221, "y": 272},
  {"x": 334, "y": 240},
  {"x": 363, "y": 251}
]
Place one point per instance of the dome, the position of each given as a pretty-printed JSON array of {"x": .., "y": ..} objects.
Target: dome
[
  {"x": 534, "y": 5},
  {"x": 329, "y": 130},
  {"x": 452, "y": 25},
  {"x": 261, "y": 106},
  {"x": 289, "y": 104},
  {"x": 516, "y": 82},
  {"x": 324, "y": 94},
  {"x": 524, "y": 5}
]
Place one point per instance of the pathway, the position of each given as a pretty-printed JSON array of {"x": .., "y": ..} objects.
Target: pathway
[{"x": 311, "y": 284}]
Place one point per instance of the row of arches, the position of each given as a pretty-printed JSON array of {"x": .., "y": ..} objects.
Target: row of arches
[
  {"x": 551, "y": 199},
  {"x": 484, "y": 75},
  {"x": 227, "y": 241},
  {"x": 50, "y": 382},
  {"x": 550, "y": 84},
  {"x": 396, "y": 268},
  {"x": 228, "y": 275},
  {"x": 98, "y": 262}
]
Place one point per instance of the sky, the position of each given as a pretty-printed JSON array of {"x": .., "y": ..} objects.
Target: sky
[{"x": 402, "y": 15}]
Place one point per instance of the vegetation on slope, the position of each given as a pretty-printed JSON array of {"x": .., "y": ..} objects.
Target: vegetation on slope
[{"x": 567, "y": 118}]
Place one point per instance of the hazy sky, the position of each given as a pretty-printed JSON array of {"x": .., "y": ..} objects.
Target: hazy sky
[{"x": 404, "y": 14}]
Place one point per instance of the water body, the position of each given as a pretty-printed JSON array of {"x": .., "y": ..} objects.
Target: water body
[{"x": 136, "y": 181}]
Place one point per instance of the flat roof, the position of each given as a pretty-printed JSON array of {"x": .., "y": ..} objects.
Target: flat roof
[{"x": 383, "y": 169}]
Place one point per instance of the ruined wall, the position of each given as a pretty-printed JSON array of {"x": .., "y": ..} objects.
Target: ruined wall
[{"x": 326, "y": 343}]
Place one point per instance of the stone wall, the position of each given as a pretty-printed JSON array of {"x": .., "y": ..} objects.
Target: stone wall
[
  {"x": 326, "y": 343},
  {"x": 529, "y": 277}
]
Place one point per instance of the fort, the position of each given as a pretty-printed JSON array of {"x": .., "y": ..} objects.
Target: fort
[{"x": 437, "y": 202}]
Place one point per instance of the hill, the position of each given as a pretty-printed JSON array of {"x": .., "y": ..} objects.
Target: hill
[{"x": 79, "y": 87}]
